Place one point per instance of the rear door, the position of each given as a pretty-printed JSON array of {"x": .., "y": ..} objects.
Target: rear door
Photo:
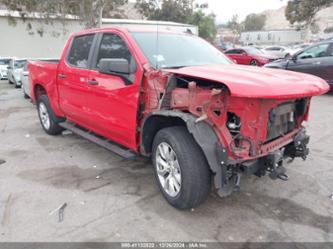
[
  {"x": 72, "y": 78},
  {"x": 113, "y": 104},
  {"x": 314, "y": 60}
]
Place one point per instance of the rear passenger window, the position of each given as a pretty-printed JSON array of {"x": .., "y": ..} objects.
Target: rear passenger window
[
  {"x": 113, "y": 47},
  {"x": 79, "y": 51}
]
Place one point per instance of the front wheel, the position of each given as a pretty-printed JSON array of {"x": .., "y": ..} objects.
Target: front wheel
[
  {"x": 47, "y": 118},
  {"x": 180, "y": 168}
]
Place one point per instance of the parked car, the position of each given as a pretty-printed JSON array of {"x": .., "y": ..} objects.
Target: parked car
[
  {"x": 295, "y": 49},
  {"x": 200, "y": 117},
  {"x": 14, "y": 71},
  {"x": 4, "y": 63},
  {"x": 225, "y": 46},
  {"x": 25, "y": 81},
  {"x": 250, "y": 56},
  {"x": 316, "y": 60},
  {"x": 278, "y": 51}
]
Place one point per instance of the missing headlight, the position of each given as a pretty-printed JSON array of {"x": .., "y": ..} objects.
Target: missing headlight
[{"x": 233, "y": 124}]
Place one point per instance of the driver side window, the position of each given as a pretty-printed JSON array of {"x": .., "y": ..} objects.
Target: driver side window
[
  {"x": 314, "y": 52},
  {"x": 113, "y": 47}
]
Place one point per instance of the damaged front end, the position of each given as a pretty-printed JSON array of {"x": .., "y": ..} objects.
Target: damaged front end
[{"x": 238, "y": 135}]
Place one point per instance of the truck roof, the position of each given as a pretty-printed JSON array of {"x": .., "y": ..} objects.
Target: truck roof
[{"x": 128, "y": 30}]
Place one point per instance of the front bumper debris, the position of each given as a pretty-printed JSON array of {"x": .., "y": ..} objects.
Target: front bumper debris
[{"x": 271, "y": 164}]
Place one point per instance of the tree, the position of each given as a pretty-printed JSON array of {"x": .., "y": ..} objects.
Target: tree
[
  {"x": 169, "y": 10},
  {"x": 206, "y": 24},
  {"x": 303, "y": 12},
  {"x": 235, "y": 25},
  {"x": 254, "y": 22},
  {"x": 90, "y": 12},
  {"x": 183, "y": 11}
]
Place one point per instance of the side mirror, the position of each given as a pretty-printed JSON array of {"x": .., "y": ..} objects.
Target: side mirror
[
  {"x": 119, "y": 67},
  {"x": 294, "y": 58},
  {"x": 9, "y": 67},
  {"x": 244, "y": 53},
  {"x": 25, "y": 73},
  {"x": 114, "y": 66}
]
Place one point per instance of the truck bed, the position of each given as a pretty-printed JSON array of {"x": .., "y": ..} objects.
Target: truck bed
[{"x": 43, "y": 72}]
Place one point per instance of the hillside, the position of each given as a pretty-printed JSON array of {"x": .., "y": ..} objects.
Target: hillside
[{"x": 276, "y": 19}]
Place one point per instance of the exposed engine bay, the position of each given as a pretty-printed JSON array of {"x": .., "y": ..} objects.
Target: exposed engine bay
[{"x": 255, "y": 135}]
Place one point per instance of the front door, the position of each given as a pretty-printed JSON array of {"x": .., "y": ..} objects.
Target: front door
[{"x": 112, "y": 104}]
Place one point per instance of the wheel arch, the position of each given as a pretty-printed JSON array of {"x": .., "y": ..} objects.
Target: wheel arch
[
  {"x": 38, "y": 90},
  {"x": 202, "y": 132}
]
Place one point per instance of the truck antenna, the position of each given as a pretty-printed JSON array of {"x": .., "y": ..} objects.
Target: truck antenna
[{"x": 157, "y": 35}]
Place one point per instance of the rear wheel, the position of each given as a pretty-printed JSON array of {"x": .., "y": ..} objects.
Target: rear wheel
[
  {"x": 17, "y": 85},
  {"x": 47, "y": 117},
  {"x": 254, "y": 63},
  {"x": 25, "y": 95},
  {"x": 180, "y": 168}
]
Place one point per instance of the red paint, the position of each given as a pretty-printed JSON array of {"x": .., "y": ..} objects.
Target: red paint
[
  {"x": 110, "y": 109},
  {"x": 247, "y": 57}
]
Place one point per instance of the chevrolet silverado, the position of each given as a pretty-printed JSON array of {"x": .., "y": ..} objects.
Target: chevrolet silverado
[{"x": 203, "y": 120}]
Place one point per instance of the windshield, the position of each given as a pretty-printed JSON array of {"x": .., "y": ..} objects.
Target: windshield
[
  {"x": 19, "y": 64},
  {"x": 254, "y": 51},
  {"x": 177, "y": 50},
  {"x": 4, "y": 61}
]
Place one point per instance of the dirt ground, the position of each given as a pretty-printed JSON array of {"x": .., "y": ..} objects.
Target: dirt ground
[{"x": 109, "y": 199}]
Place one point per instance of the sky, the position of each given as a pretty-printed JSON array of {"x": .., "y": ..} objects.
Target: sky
[{"x": 225, "y": 9}]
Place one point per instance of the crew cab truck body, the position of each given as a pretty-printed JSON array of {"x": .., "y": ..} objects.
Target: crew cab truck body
[{"x": 203, "y": 120}]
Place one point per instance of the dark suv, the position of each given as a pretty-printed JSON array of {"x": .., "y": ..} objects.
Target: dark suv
[{"x": 316, "y": 59}]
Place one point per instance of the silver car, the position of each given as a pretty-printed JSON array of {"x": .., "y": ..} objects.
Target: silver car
[
  {"x": 4, "y": 63},
  {"x": 25, "y": 81},
  {"x": 14, "y": 71}
]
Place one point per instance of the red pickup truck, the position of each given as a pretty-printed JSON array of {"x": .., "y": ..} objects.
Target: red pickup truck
[{"x": 202, "y": 119}]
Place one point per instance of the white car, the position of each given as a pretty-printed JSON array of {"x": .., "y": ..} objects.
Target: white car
[
  {"x": 25, "y": 81},
  {"x": 278, "y": 51},
  {"x": 4, "y": 63},
  {"x": 14, "y": 71},
  {"x": 295, "y": 49}
]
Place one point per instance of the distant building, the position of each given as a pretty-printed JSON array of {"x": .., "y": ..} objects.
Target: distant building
[
  {"x": 32, "y": 38},
  {"x": 271, "y": 37},
  {"x": 225, "y": 35}
]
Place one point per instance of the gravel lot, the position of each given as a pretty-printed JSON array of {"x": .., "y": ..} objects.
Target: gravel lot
[{"x": 109, "y": 199}]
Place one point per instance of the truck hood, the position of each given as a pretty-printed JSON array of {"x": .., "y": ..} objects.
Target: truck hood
[{"x": 256, "y": 82}]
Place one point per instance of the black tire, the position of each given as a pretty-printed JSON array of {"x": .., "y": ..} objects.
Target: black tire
[
  {"x": 53, "y": 128},
  {"x": 195, "y": 173},
  {"x": 26, "y": 96},
  {"x": 16, "y": 85},
  {"x": 254, "y": 63}
]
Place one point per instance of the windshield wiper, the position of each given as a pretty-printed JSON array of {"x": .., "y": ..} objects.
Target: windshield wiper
[{"x": 173, "y": 67}]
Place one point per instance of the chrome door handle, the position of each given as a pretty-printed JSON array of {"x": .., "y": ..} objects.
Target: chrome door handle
[{"x": 93, "y": 82}]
